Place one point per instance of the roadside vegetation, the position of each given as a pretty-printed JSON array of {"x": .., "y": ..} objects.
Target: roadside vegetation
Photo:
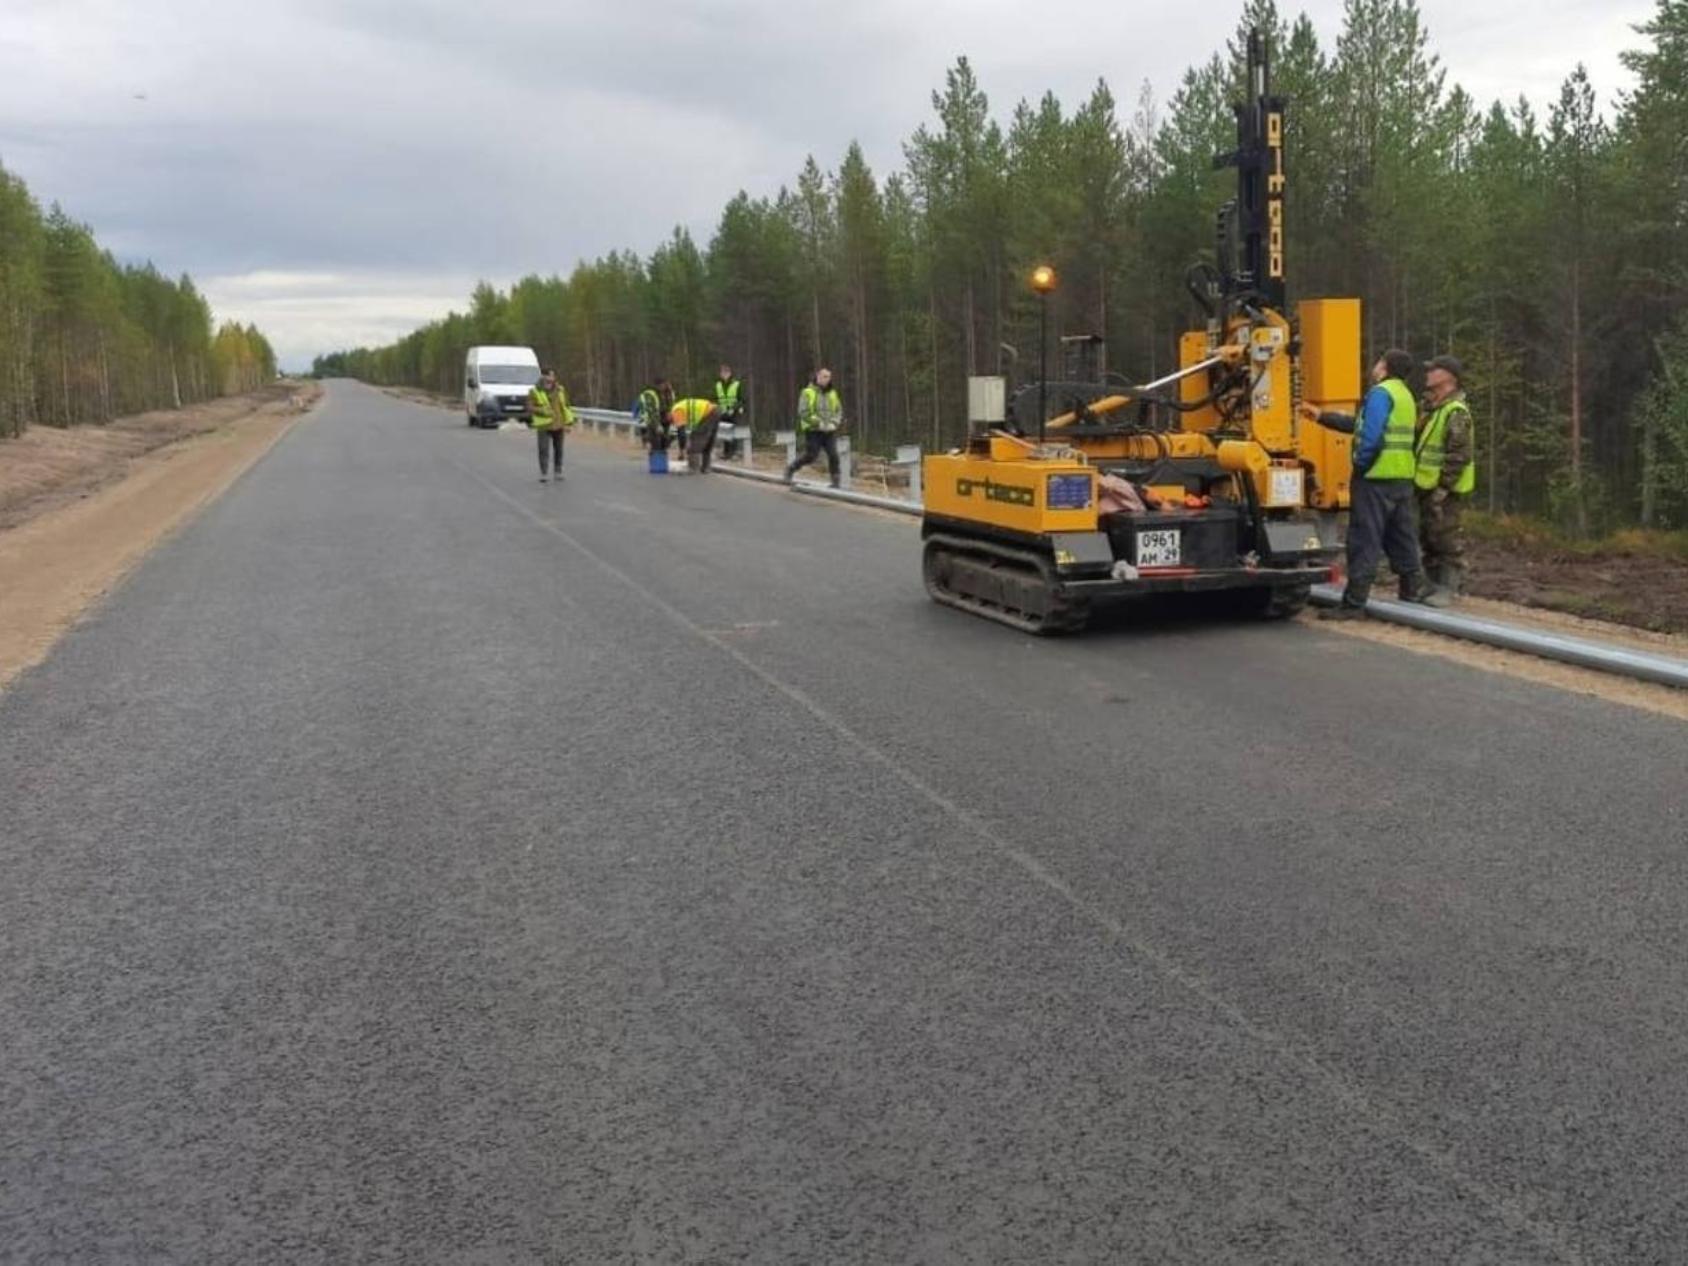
[
  {"x": 84, "y": 338},
  {"x": 1537, "y": 536}
]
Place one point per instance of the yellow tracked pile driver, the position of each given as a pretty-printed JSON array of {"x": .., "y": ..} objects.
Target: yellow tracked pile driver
[{"x": 1202, "y": 480}]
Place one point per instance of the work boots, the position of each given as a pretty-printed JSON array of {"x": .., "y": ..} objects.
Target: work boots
[
  {"x": 1449, "y": 582},
  {"x": 1353, "y": 604},
  {"x": 1413, "y": 588},
  {"x": 1343, "y": 611}
]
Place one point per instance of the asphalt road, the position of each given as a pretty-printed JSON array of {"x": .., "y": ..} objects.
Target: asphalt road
[{"x": 412, "y": 861}]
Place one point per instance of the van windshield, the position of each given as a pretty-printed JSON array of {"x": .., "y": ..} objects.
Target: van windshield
[{"x": 514, "y": 375}]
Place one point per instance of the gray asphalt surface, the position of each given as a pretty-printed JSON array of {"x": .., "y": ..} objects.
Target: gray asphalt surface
[{"x": 411, "y": 861}]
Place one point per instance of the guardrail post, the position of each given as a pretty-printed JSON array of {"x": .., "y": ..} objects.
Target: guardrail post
[
  {"x": 789, "y": 439},
  {"x": 746, "y": 442},
  {"x": 844, "y": 463},
  {"x": 909, "y": 455}
]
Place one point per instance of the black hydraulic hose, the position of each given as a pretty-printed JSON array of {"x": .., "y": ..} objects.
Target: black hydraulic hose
[{"x": 1194, "y": 278}]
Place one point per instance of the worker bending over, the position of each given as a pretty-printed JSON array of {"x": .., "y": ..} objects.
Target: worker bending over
[
  {"x": 1447, "y": 476},
  {"x": 695, "y": 419},
  {"x": 549, "y": 415},
  {"x": 820, "y": 416},
  {"x": 1381, "y": 516}
]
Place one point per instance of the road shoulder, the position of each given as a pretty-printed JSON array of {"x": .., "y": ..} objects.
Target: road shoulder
[{"x": 59, "y": 562}]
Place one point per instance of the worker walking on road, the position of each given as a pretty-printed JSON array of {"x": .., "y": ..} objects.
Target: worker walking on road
[
  {"x": 696, "y": 419},
  {"x": 727, "y": 407},
  {"x": 549, "y": 415},
  {"x": 820, "y": 416},
  {"x": 1447, "y": 476},
  {"x": 1380, "y": 518}
]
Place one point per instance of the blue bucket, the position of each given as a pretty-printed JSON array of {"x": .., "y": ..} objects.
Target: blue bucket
[{"x": 659, "y": 462}]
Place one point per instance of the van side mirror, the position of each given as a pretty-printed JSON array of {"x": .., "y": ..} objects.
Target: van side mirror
[{"x": 471, "y": 381}]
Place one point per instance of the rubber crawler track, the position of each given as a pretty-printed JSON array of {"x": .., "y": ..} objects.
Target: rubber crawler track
[{"x": 1011, "y": 586}]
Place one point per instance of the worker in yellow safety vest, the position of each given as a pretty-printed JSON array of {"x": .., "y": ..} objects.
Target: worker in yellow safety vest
[
  {"x": 820, "y": 416},
  {"x": 654, "y": 403},
  {"x": 695, "y": 420},
  {"x": 1381, "y": 516},
  {"x": 1446, "y": 478},
  {"x": 549, "y": 415},
  {"x": 729, "y": 409}
]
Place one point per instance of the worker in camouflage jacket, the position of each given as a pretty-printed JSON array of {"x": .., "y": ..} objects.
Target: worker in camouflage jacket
[{"x": 1446, "y": 452}]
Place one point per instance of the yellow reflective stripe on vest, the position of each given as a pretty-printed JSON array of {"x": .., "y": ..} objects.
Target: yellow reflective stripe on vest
[
  {"x": 691, "y": 411},
  {"x": 1433, "y": 447},
  {"x": 1396, "y": 460},
  {"x": 554, "y": 409},
  {"x": 819, "y": 410},
  {"x": 539, "y": 406}
]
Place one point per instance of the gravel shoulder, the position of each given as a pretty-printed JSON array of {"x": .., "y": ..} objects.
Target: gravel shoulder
[{"x": 79, "y": 508}]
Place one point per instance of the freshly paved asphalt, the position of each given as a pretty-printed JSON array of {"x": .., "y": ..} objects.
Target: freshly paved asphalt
[{"x": 414, "y": 862}]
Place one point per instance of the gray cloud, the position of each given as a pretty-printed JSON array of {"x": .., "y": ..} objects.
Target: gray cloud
[{"x": 339, "y": 171}]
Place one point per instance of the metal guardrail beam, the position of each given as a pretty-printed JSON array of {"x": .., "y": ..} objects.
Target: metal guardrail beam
[
  {"x": 1583, "y": 652},
  {"x": 1665, "y": 670},
  {"x": 613, "y": 416},
  {"x": 848, "y": 495}
]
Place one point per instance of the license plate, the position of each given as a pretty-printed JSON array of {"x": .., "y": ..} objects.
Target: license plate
[{"x": 1160, "y": 549}]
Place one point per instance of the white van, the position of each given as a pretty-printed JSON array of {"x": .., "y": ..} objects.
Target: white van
[{"x": 496, "y": 382}]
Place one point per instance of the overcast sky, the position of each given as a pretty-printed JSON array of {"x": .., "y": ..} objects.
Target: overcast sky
[{"x": 340, "y": 171}]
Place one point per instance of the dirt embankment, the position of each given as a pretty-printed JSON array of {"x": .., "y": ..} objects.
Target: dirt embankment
[
  {"x": 1646, "y": 591},
  {"x": 79, "y": 508},
  {"x": 50, "y": 466}
]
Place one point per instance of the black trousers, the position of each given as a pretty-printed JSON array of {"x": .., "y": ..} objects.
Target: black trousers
[
  {"x": 1382, "y": 522},
  {"x": 815, "y": 443},
  {"x": 700, "y": 444},
  {"x": 730, "y": 448},
  {"x": 550, "y": 446}
]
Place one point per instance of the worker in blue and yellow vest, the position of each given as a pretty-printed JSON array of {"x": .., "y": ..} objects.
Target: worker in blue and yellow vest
[
  {"x": 549, "y": 415},
  {"x": 1446, "y": 478},
  {"x": 694, "y": 419},
  {"x": 820, "y": 415},
  {"x": 729, "y": 409},
  {"x": 654, "y": 403},
  {"x": 1381, "y": 518}
]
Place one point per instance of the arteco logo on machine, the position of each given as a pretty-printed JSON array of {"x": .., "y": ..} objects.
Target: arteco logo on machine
[{"x": 1013, "y": 494}]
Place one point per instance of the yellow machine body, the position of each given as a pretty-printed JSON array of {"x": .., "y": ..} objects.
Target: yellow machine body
[
  {"x": 1010, "y": 487},
  {"x": 1324, "y": 362},
  {"x": 1330, "y": 380},
  {"x": 1203, "y": 480}
]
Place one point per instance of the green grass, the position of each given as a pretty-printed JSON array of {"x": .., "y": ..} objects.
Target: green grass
[{"x": 1537, "y": 536}]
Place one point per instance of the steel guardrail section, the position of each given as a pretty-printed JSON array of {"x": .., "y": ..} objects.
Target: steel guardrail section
[{"x": 1666, "y": 670}]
